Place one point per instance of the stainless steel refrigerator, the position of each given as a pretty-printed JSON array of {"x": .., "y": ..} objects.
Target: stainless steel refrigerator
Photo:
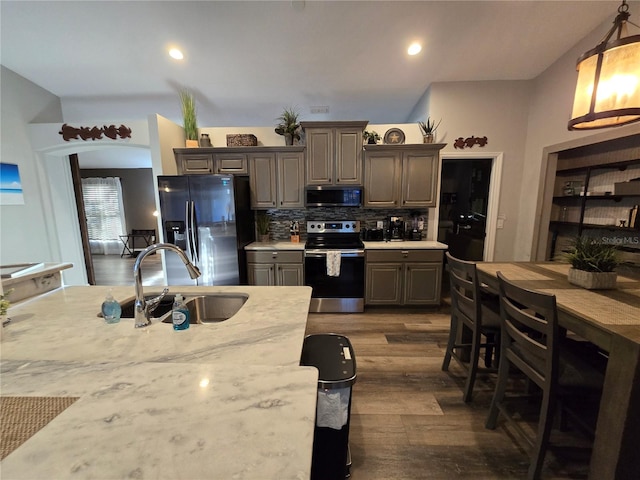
[{"x": 210, "y": 218}]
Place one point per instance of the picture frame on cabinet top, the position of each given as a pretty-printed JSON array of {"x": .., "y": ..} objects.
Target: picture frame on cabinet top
[{"x": 394, "y": 136}]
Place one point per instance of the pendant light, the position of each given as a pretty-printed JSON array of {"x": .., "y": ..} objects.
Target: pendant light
[{"x": 608, "y": 87}]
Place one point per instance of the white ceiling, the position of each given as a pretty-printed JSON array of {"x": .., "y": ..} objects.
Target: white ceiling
[{"x": 245, "y": 61}]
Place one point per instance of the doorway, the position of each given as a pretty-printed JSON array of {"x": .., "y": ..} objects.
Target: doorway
[
  {"x": 464, "y": 206},
  {"x": 107, "y": 262}
]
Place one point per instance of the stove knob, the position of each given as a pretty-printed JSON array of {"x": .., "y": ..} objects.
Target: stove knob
[
  {"x": 313, "y": 225},
  {"x": 353, "y": 226}
]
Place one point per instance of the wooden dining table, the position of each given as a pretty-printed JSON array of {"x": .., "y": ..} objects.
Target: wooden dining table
[{"x": 611, "y": 320}]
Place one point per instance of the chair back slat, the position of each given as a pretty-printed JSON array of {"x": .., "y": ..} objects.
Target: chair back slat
[
  {"x": 530, "y": 330},
  {"x": 465, "y": 293}
]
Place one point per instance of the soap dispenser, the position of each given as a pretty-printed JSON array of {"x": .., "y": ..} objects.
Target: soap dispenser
[
  {"x": 111, "y": 309},
  {"x": 180, "y": 314}
]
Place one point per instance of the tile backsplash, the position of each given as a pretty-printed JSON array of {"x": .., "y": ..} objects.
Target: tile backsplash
[{"x": 280, "y": 219}]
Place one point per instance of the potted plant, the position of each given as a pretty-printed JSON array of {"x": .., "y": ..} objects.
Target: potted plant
[
  {"x": 190, "y": 124},
  {"x": 592, "y": 264},
  {"x": 428, "y": 129},
  {"x": 289, "y": 126},
  {"x": 371, "y": 137},
  {"x": 4, "y": 306},
  {"x": 262, "y": 225}
]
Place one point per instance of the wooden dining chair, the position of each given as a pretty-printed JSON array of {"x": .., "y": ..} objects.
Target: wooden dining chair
[
  {"x": 480, "y": 317},
  {"x": 531, "y": 344}
]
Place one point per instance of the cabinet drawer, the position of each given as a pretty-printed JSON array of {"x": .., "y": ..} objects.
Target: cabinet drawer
[
  {"x": 274, "y": 256},
  {"x": 232, "y": 163},
  {"x": 194, "y": 164},
  {"x": 401, "y": 255}
]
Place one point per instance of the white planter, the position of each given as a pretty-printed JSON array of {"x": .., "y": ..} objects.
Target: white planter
[{"x": 592, "y": 280}]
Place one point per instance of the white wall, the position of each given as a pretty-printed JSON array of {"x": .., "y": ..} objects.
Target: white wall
[
  {"x": 499, "y": 111},
  {"x": 550, "y": 109},
  {"x": 51, "y": 153},
  {"x": 23, "y": 235}
]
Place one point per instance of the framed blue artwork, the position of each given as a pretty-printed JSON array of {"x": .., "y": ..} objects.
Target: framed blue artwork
[{"x": 10, "y": 185}]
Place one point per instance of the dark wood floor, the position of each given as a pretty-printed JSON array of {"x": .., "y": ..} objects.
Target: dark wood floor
[
  {"x": 408, "y": 418},
  {"x": 114, "y": 270}
]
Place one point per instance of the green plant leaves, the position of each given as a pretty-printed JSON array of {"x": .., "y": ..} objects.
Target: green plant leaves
[{"x": 592, "y": 255}]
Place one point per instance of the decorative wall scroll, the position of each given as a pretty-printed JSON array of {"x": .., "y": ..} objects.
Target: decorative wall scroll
[
  {"x": 470, "y": 142},
  {"x": 94, "y": 133}
]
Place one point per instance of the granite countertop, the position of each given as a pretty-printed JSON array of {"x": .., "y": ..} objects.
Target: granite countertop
[
  {"x": 39, "y": 270},
  {"x": 225, "y": 400},
  {"x": 406, "y": 245},
  {"x": 409, "y": 244},
  {"x": 275, "y": 245}
]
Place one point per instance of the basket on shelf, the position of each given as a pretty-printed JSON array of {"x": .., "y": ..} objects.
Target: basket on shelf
[{"x": 241, "y": 140}]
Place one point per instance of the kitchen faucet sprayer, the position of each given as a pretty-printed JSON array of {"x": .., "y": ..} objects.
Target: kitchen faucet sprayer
[{"x": 143, "y": 308}]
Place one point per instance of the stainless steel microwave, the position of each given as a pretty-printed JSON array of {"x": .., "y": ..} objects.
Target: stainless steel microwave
[{"x": 331, "y": 196}]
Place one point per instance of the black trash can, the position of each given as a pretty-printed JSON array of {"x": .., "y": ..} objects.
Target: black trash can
[{"x": 334, "y": 358}]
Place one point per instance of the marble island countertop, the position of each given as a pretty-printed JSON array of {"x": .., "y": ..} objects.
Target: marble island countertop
[
  {"x": 32, "y": 279},
  {"x": 225, "y": 400}
]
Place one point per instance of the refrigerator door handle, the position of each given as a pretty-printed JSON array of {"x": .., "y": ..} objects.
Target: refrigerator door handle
[
  {"x": 187, "y": 232},
  {"x": 194, "y": 233}
]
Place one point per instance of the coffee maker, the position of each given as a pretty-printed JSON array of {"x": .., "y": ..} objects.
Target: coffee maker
[{"x": 395, "y": 229}]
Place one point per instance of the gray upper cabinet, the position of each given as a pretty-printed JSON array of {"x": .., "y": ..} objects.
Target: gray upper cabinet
[
  {"x": 193, "y": 163},
  {"x": 263, "y": 180},
  {"x": 277, "y": 177},
  {"x": 401, "y": 176},
  {"x": 382, "y": 179},
  {"x": 224, "y": 160},
  {"x": 290, "y": 168},
  {"x": 334, "y": 152},
  {"x": 234, "y": 163}
]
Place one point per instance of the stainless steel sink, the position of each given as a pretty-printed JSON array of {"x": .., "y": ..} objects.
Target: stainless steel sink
[
  {"x": 163, "y": 307},
  {"x": 212, "y": 307}
]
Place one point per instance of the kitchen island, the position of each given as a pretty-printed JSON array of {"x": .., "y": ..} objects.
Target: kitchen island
[
  {"x": 224, "y": 400},
  {"x": 31, "y": 279}
]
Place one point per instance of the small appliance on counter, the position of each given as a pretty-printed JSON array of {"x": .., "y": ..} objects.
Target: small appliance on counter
[
  {"x": 373, "y": 234},
  {"x": 395, "y": 229},
  {"x": 414, "y": 230}
]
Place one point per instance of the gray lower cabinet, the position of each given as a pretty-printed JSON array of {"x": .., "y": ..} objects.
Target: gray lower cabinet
[
  {"x": 277, "y": 179},
  {"x": 277, "y": 267},
  {"x": 403, "y": 277},
  {"x": 401, "y": 176}
]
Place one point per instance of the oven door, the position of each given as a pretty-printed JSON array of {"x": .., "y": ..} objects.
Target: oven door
[{"x": 335, "y": 294}]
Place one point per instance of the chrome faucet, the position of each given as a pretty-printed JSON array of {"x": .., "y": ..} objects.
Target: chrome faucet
[{"x": 142, "y": 307}]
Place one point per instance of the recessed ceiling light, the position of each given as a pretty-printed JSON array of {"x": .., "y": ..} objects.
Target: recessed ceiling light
[
  {"x": 175, "y": 53},
  {"x": 414, "y": 49}
]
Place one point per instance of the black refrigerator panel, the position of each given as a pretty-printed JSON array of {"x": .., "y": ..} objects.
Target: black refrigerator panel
[{"x": 245, "y": 225}]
